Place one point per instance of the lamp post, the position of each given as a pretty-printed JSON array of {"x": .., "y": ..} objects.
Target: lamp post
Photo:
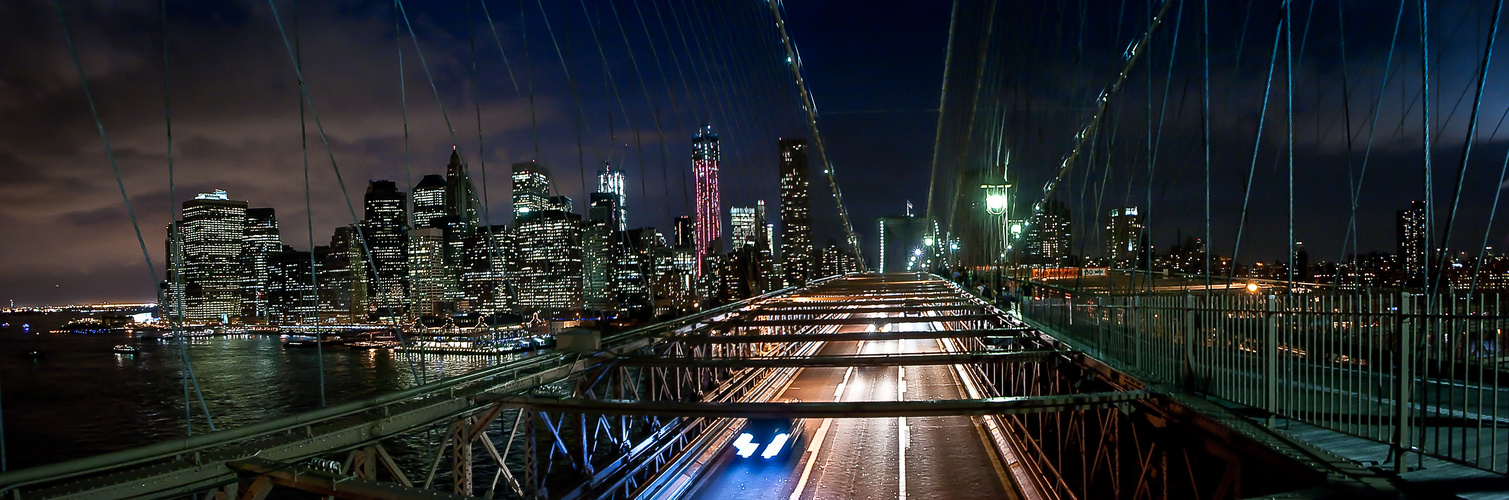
[{"x": 998, "y": 206}]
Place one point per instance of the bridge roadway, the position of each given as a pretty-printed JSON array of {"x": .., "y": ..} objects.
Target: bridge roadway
[{"x": 918, "y": 457}]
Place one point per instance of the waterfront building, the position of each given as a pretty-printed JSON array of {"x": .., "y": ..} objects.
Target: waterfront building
[
  {"x": 209, "y": 263},
  {"x": 291, "y": 288},
  {"x": 259, "y": 240},
  {"x": 384, "y": 228},
  {"x": 427, "y": 273},
  {"x": 796, "y": 214},
  {"x": 343, "y": 278},
  {"x": 706, "y": 154}
]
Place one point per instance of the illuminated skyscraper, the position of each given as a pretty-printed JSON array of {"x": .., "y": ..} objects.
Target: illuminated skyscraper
[
  {"x": 531, "y": 188},
  {"x": 796, "y": 214},
  {"x": 1410, "y": 231},
  {"x": 742, "y": 227},
  {"x": 429, "y": 200},
  {"x": 210, "y": 238},
  {"x": 598, "y": 237},
  {"x": 683, "y": 234},
  {"x": 1124, "y": 237},
  {"x": 259, "y": 240},
  {"x": 460, "y": 193},
  {"x": 427, "y": 273},
  {"x": 384, "y": 229},
  {"x": 709, "y": 227},
  {"x": 611, "y": 182},
  {"x": 1048, "y": 236},
  {"x": 549, "y": 257}
]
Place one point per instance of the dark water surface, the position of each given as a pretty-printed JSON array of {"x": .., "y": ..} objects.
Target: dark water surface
[{"x": 82, "y": 399}]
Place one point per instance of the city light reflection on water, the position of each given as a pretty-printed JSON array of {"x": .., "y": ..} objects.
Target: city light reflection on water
[{"x": 82, "y": 399}]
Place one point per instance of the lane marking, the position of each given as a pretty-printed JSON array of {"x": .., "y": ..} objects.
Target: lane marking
[
  {"x": 817, "y": 440},
  {"x": 903, "y": 435},
  {"x": 967, "y": 390}
]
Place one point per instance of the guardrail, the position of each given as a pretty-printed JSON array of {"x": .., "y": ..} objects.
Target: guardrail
[{"x": 1392, "y": 367}]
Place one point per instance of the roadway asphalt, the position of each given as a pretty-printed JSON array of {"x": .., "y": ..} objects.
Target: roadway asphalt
[{"x": 918, "y": 457}]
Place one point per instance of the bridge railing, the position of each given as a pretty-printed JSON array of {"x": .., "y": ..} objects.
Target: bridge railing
[{"x": 1389, "y": 367}]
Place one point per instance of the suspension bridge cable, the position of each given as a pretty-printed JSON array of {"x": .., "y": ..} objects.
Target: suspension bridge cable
[
  {"x": 1289, "y": 126},
  {"x": 1205, "y": 133},
  {"x": 408, "y": 177},
  {"x": 810, "y": 105},
  {"x": 1102, "y": 102},
  {"x": 119, "y": 182},
  {"x": 175, "y": 311},
  {"x": 686, "y": 88},
  {"x": 1356, "y": 193},
  {"x": 1236, "y": 248},
  {"x": 329, "y": 151},
  {"x": 1472, "y": 133},
  {"x": 314, "y": 270},
  {"x": 486, "y": 231},
  {"x": 1430, "y": 209},
  {"x": 974, "y": 107}
]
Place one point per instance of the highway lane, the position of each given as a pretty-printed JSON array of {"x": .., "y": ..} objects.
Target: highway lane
[{"x": 920, "y": 457}]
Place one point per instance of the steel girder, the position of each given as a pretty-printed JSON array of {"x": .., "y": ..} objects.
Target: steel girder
[
  {"x": 865, "y": 409},
  {"x": 841, "y": 361},
  {"x": 819, "y": 337}
]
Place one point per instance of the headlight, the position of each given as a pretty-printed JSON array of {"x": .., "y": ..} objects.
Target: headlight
[
  {"x": 776, "y": 445},
  {"x": 746, "y": 445}
]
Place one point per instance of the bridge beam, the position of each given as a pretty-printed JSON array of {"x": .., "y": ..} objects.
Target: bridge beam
[
  {"x": 860, "y": 321},
  {"x": 839, "y": 361},
  {"x": 323, "y": 482},
  {"x": 865, "y": 409},
  {"x": 834, "y": 337}
]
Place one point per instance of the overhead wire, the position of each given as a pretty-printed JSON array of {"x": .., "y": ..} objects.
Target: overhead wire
[{"x": 314, "y": 268}]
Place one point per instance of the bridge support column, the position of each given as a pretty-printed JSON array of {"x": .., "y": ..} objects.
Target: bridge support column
[{"x": 461, "y": 456}]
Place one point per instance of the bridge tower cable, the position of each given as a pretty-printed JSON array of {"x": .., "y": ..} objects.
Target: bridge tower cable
[
  {"x": 1356, "y": 193},
  {"x": 810, "y": 106},
  {"x": 1091, "y": 126},
  {"x": 120, "y": 183}
]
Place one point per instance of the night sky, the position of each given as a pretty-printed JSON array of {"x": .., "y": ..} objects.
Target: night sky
[{"x": 874, "y": 68}]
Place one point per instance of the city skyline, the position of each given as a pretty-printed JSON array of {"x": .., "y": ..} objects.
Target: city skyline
[{"x": 236, "y": 121}]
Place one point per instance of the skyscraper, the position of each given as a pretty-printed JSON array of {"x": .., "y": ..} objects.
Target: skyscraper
[
  {"x": 1048, "y": 236},
  {"x": 709, "y": 228},
  {"x": 598, "y": 237},
  {"x": 259, "y": 240},
  {"x": 796, "y": 214},
  {"x": 611, "y": 182},
  {"x": 429, "y": 200},
  {"x": 460, "y": 193},
  {"x": 549, "y": 261},
  {"x": 742, "y": 227},
  {"x": 1410, "y": 231},
  {"x": 531, "y": 188},
  {"x": 210, "y": 238},
  {"x": 427, "y": 273},
  {"x": 343, "y": 277},
  {"x": 1124, "y": 240},
  {"x": 683, "y": 233},
  {"x": 383, "y": 229}
]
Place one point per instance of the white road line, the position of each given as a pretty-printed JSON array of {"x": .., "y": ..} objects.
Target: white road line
[
  {"x": 903, "y": 435},
  {"x": 817, "y": 441}
]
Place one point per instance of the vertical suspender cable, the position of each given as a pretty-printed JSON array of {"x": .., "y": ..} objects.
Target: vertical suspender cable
[
  {"x": 1289, "y": 123},
  {"x": 175, "y": 312},
  {"x": 121, "y": 185},
  {"x": 314, "y": 270},
  {"x": 1205, "y": 132},
  {"x": 1257, "y": 143},
  {"x": 1472, "y": 134}
]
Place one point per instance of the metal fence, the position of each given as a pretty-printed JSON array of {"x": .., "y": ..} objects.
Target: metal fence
[{"x": 1389, "y": 367}]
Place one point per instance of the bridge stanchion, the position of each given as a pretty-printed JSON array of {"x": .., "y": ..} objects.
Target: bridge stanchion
[
  {"x": 1270, "y": 354},
  {"x": 1190, "y": 377},
  {"x": 461, "y": 456},
  {"x": 1403, "y": 379}
]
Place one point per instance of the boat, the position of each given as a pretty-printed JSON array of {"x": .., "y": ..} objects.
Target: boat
[
  {"x": 374, "y": 344},
  {"x": 300, "y": 340},
  {"x": 125, "y": 349}
]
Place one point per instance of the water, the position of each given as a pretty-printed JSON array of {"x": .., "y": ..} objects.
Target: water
[{"x": 82, "y": 399}]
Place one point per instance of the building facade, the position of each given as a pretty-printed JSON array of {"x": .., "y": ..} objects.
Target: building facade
[
  {"x": 706, "y": 154},
  {"x": 796, "y": 214}
]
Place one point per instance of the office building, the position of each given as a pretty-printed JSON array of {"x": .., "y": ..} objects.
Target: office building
[
  {"x": 684, "y": 232},
  {"x": 429, "y": 200},
  {"x": 1047, "y": 237},
  {"x": 531, "y": 188},
  {"x": 1126, "y": 245},
  {"x": 796, "y": 214},
  {"x": 210, "y": 237},
  {"x": 611, "y": 182},
  {"x": 460, "y": 193},
  {"x": 550, "y": 262},
  {"x": 384, "y": 228},
  {"x": 1411, "y": 230},
  {"x": 743, "y": 229},
  {"x": 427, "y": 273},
  {"x": 259, "y": 240}
]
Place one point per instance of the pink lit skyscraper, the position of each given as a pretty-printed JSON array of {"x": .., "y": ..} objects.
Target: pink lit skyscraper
[{"x": 708, "y": 229}]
